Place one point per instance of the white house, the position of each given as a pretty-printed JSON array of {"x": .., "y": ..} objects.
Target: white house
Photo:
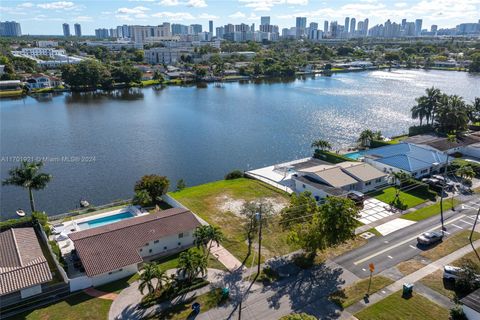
[
  {"x": 23, "y": 267},
  {"x": 114, "y": 251},
  {"x": 325, "y": 179},
  {"x": 471, "y": 305}
]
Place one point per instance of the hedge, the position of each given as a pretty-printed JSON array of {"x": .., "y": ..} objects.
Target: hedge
[
  {"x": 330, "y": 156},
  {"x": 416, "y": 130},
  {"x": 16, "y": 223}
]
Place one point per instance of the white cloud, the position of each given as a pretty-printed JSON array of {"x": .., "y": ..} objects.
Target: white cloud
[
  {"x": 135, "y": 10},
  {"x": 169, "y": 3},
  {"x": 174, "y": 16},
  {"x": 401, "y": 4},
  {"x": 237, "y": 15},
  {"x": 207, "y": 16},
  {"x": 65, "y": 5},
  {"x": 196, "y": 3},
  {"x": 26, "y": 5},
  {"x": 141, "y": 0},
  {"x": 266, "y": 5},
  {"x": 83, "y": 18}
]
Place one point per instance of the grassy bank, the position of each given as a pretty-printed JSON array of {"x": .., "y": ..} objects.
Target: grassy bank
[
  {"x": 11, "y": 93},
  {"x": 449, "y": 245},
  {"x": 429, "y": 211},
  {"x": 411, "y": 198},
  {"x": 354, "y": 293}
]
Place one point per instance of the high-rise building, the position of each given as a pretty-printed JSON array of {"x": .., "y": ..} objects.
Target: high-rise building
[
  {"x": 347, "y": 24},
  {"x": 353, "y": 23},
  {"x": 196, "y": 28},
  {"x": 325, "y": 26},
  {"x": 102, "y": 33},
  {"x": 179, "y": 29},
  {"x": 334, "y": 29},
  {"x": 404, "y": 23},
  {"x": 66, "y": 30},
  {"x": 265, "y": 20},
  {"x": 409, "y": 30},
  {"x": 365, "y": 27},
  {"x": 418, "y": 27},
  {"x": 113, "y": 33},
  {"x": 360, "y": 27},
  {"x": 434, "y": 28},
  {"x": 300, "y": 26},
  {"x": 210, "y": 26},
  {"x": 78, "y": 29},
  {"x": 10, "y": 29},
  {"x": 125, "y": 31},
  {"x": 219, "y": 32}
]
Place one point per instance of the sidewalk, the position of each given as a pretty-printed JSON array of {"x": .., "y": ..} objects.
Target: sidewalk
[
  {"x": 412, "y": 278},
  {"x": 225, "y": 257}
]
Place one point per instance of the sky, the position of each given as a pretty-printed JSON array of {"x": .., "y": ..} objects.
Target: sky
[{"x": 46, "y": 17}]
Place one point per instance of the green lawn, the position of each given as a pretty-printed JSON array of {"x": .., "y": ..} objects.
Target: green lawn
[
  {"x": 11, "y": 93},
  {"x": 435, "y": 282},
  {"x": 183, "y": 310},
  {"x": 331, "y": 157},
  {"x": 449, "y": 245},
  {"x": 171, "y": 262},
  {"x": 354, "y": 293},
  {"x": 411, "y": 199},
  {"x": 206, "y": 201},
  {"x": 394, "y": 307},
  {"x": 428, "y": 211},
  {"x": 79, "y": 306}
]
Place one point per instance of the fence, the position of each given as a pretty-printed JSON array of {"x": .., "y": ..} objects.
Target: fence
[
  {"x": 74, "y": 213},
  {"x": 60, "y": 269}
]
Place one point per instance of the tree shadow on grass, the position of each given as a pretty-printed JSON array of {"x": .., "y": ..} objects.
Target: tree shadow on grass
[{"x": 309, "y": 291}]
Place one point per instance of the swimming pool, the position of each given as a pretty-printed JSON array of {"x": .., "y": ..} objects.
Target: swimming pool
[
  {"x": 105, "y": 220},
  {"x": 354, "y": 155}
]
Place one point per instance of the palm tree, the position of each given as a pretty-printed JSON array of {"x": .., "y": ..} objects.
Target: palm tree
[
  {"x": 431, "y": 102},
  {"x": 452, "y": 115},
  {"x": 191, "y": 263},
  {"x": 206, "y": 235},
  {"x": 322, "y": 145},
  {"x": 465, "y": 172},
  {"x": 163, "y": 280},
  {"x": 419, "y": 111},
  {"x": 366, "y": 136},
  {"x": 146, "y": 277},
  {"x": 28, "y": 177},
  {"x": 474, "y": 111}
]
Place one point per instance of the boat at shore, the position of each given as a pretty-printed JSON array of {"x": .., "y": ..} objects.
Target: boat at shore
[
  {"x": 20, "y": 213},
  {"x": 84, "y": 203}
]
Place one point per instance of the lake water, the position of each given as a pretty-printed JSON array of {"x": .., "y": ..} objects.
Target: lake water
[{"x": 97, "y": 145}]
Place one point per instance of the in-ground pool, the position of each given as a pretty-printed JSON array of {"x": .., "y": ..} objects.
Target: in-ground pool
[
  {"x": 354, "y": 155},
  {"x": 105, "y": 220}
]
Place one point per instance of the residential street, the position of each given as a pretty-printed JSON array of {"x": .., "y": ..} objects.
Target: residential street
[{"x": 401, "y": 245}]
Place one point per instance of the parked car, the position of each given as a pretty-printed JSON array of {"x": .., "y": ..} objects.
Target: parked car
[
  {"x": 451, "y": 272},
  {"x": 357, "y": 197},
  {"x": 429, "y": 238}
]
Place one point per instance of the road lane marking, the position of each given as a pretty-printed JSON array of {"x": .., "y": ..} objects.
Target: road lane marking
[
  {"x": 446, "y": 232},
  {"x": 413, "y": 247},
  {"x": 363, "y": 269},
  {"x": 390, "y": 257},
  {"x": 453, "y": 224},
  {"x": 403, "y": 242},
  {"x": 472, "y": 217},
  {"x": 466, "y": 222}
]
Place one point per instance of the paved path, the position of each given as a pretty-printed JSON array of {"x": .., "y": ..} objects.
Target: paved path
[
  {"x": 100, "y": 294},
  {"x": 225, "y": 257},
  {"x": 413, "y": 277}
]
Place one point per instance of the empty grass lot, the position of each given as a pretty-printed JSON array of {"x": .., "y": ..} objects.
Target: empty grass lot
[
  {"x": 355, "y": 292},
  {"x": 206, "y": 201},
  {"x": 411, "y": 199},
  {"x": 394, "y": 307},
  {"x": 435, "y": 282},
  {"x": 449, "y": 245},
  {"x": 429, "y": 211},
  {"x": 409, "y": 266}
]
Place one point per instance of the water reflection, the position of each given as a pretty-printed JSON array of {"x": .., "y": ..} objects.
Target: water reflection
[{"x": 99, "y": 96}]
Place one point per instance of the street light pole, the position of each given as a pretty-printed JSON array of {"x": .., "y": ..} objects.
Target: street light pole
[{"x": 443, "y": 191}]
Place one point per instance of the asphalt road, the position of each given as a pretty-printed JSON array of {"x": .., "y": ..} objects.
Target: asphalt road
[{"x": 401, "y": 245}]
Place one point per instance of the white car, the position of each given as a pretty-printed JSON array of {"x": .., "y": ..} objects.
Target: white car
[{"x": 451, "y": 272}]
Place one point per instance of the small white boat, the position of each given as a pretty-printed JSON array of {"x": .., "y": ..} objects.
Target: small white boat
[
  {"x": 84, "y": 203},
  {"x": 20, "y": 213}
]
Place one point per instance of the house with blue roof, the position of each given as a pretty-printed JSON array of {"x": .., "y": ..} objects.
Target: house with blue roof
[{"x": 410, "y": 158}]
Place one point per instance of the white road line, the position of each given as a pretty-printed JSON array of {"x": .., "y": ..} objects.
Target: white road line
[
  {"x": 363, "y": 269},
  {"x": 403, "y": 242},
  {"x": 466, "y": 222},
  {"x": 472, "y": 217},
  {"x": 413, "y": 247},
  {"x": 390, "y": 257},
  {"x": 453, "y": 224},
  {"x": 446, "y": 232}
]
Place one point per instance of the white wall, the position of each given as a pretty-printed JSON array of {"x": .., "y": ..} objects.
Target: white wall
[
  {"x": 80, "y": 283},
  {"x": 470, "y": 313},
  {"x": 114, "y": 275},
  {"x": 301, "y": 187},
  {"x": 167, "y": 244},
  {"x": 471, "y": 151},
  {"x": 28, "y": 292},
  {"x": 388, "y": 169},
  {"x": 373, "y": 184}
]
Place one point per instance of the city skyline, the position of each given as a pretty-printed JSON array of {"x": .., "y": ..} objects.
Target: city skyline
[{"x": 444, "y": 13}]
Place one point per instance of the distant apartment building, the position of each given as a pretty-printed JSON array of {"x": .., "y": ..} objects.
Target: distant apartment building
[
  {"x": 37, "y": 52},
  {"x": 78, "y": 29},
  {"x": 47, "y": 44},
  {"x": 10, "y": 29},
  {"x": 145, "y": 34},
  {"x": 195, "y": 28},
  {"x": 179, "y": 29},
  {"x": 264, "y": 20},
  {"x": 113, "y": 33},
  {"x": 210, "y": 27},
  {"x": 353, "y": 25},
  {"x": 418, "y": 27},
  {"x": 101, "y": 33},
  {"x": 300, "y": 27},
  {"x": 166, "y": 55},
  {"x": 114, "y": 45},
  {"x": 66, "y": 30}
]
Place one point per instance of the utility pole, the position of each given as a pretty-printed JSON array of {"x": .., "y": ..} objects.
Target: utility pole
[
  {"x": 443, "y": 191},
  {"x": 258, "y": 216}
]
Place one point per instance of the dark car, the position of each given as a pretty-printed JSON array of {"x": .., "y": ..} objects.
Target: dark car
[
  {"x": 357, "y": 197},
  {"x": 429, "y": 238}
]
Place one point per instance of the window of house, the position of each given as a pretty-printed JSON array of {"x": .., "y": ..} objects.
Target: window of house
[
  {"x": 146, "y": 244},
  {"x": 303, "y": 186},
  {"x": 150, "y": 250},
  {"x": 378, "y": 180},
  {"x": 368, "y": 183},
  {"x": 179, "y": 244},
  {"x": 180, "y": 235},
  {"x": 141, "y": 249},
  {"x": 156, "y": 241},
  {"x": 116, "y": 271},
  {"x": 164, "y": 248}
]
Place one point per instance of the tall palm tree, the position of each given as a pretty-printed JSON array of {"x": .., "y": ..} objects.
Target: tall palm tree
[
  {"x": 28, "y": 176},
  {"x": 366, "y": 136},
  {"x": 147, "y": 276},
  {"x": 466, "y": 172},
  {"x": 191, "y": 263},
  {"x": 205, "y": 236},
  {"x": 431, "y": 102},
  {"x": 163, "y": 280},
  {"x": 322, "y": 145},
  {"x": 419, "y": 111},
  {"x": 452, "y": 115}
]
